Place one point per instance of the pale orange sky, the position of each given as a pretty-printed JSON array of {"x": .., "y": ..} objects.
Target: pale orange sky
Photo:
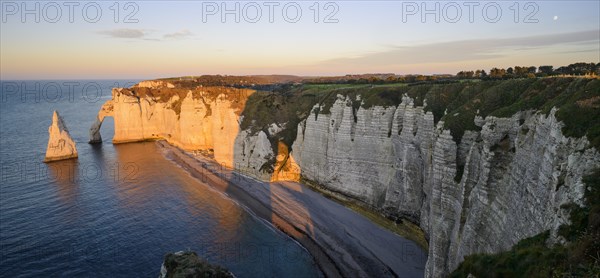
[{"x": 172, "y": 39}]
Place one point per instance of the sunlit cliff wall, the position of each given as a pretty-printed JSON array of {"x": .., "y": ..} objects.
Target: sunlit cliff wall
[
  {"x": 518, "y": 172},
  {"x": 502, "y": 183},
  {"x": 198, "y": 119}
]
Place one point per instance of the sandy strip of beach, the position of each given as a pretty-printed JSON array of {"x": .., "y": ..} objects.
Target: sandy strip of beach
[{"x": 342, "y": 242}]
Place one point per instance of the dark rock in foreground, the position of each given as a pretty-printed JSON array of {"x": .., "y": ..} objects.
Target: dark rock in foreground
[{"x": 188, "y": 264}]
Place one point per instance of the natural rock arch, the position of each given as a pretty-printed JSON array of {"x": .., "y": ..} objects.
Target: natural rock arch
[{"x": 105, "y": 110}]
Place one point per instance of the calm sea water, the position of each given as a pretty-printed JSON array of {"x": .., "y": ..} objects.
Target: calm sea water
[{"x": 118, "y": 209}]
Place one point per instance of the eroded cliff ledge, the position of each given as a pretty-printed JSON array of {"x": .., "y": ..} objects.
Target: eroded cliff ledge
[{"x": 479, "y": 166}]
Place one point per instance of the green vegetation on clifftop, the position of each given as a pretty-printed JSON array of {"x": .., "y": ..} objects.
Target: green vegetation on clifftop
[{"x": 457, "y": 104}]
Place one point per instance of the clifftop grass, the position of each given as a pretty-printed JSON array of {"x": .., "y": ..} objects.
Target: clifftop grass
[
  {"x": 237, "y": 96},
  {"x": 457, "y": 104}
]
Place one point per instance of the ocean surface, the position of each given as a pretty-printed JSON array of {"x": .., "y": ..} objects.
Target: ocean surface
[{"x": 118, "y": 209}]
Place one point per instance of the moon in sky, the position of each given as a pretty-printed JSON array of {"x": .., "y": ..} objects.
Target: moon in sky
[{"x": 555, "y": 17}]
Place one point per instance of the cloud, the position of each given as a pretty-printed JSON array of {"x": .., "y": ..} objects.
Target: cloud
[
  {"x": 579, "y": 51},
  {"x": 464, "y": 50},
  {"x": 178, "y": 35},
  {"x": 124, "y": 33},
  {"x": 143, "y": 34}
]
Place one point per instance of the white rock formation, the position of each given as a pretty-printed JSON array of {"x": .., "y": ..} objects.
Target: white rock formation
[
  {"x": 395, "y": 159},
  {"x": 516, "y": 172},
  {"x": 105, "y": 110},
  {"x": 60, "y": 144},
  {"x": 208, "y": 120}
]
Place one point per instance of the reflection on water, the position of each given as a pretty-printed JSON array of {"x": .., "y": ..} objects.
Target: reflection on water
[
  {"x": 200, "y": 200},
  {"x": 65, "y": 175},
  {"x": 227, "y": 214},
  {"x": 121, "y": 211},
  {"x": 117, "y": 209}
]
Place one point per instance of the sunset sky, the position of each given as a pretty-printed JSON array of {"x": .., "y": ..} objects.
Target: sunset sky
[{"x": 173, "y": 38}]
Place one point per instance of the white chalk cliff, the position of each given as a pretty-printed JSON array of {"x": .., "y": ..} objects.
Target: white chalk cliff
[
  {"x": 518, "y": 171},
  {"x": 199, "y": 119},
  {"x": 509, "y": 189},
  {"x": 60, "y": 144}
]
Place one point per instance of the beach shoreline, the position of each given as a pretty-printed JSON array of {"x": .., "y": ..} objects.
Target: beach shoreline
[{"x": 342, "y": 242}]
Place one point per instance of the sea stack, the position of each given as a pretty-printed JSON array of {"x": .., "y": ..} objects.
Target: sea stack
[{"x": 60, "y": 144}]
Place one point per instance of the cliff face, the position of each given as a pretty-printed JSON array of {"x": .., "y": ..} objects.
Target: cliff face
[
  {"x": 518, "y": 172},
  {"x": 503, "y": 182},
  {"x": 197, "y": 119}
]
